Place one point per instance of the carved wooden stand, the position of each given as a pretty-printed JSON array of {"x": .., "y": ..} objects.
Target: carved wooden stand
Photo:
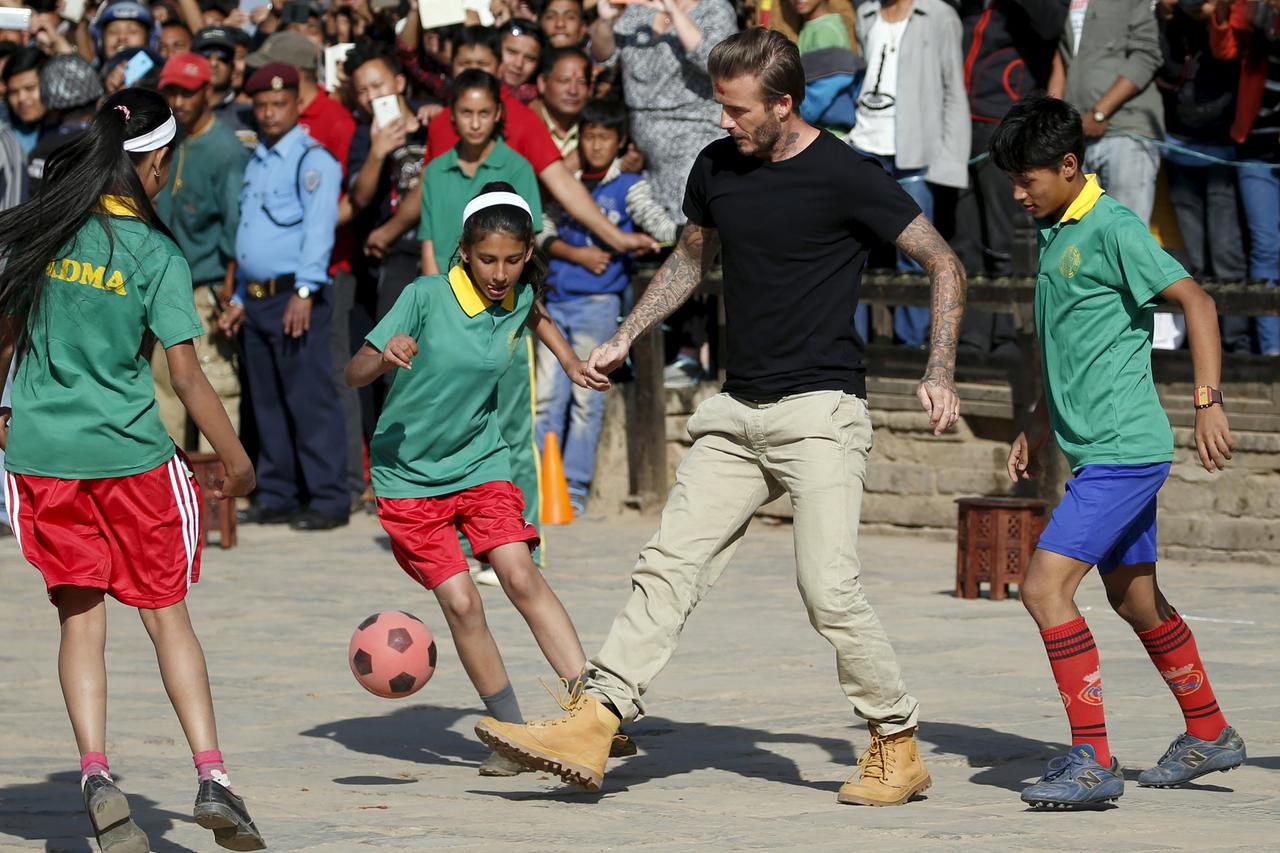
[
  {"x": 215, "y": 514},
  {"x": 994, "y": 542}
]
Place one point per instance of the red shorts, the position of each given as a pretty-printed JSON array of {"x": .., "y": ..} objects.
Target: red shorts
[
  {"x": 424, "y": 536},
  {"x": 137, "y": 537}
]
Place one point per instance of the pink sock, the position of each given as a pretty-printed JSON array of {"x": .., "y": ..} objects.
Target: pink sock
[
  {"x": 94, "y": 762},
  {"x": 209, "y": 766}
]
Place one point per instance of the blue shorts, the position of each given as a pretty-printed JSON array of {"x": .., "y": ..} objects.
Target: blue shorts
[{"x": 1108, "y": 516}]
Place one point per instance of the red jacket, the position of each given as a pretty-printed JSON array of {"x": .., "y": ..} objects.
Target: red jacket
[
  {"x": 521, "y": 129},
  {"x": 330, "y": 124},
  {"x": 1233, "y": 39}
]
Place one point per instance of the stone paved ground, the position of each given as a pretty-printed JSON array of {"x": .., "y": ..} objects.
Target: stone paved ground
[{"x": 749, "y": 740}]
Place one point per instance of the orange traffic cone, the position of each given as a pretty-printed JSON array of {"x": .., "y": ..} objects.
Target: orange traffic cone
[{"x": 556, "y": 508}]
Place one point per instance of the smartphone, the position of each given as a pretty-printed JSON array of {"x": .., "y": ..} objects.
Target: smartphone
[
  {"x": 137, "y": 68},
  {"x": 73, "y": 10},
  {"x": 386, "y": 109},
  {"x": 15, "y": 19}
]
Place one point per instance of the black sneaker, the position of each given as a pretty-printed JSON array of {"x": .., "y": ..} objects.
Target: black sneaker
[
  {"x": 219, "y": 809},
  {"x": 108, "y": 811}
]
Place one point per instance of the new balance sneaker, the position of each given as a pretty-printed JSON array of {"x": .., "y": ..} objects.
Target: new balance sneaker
[
  {"x": 1190, "y": 757},
  {"x": 1076, "y": 781},
  {"x": 218, "y": 808},
  {"x": 108, "y": 811}
]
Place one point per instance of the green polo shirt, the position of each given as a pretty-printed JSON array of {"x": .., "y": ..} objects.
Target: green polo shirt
[
  {"x": 826, "y": 31},
  {"x": 438, "y": 432},
  {"x": 84, "y": 403},
  {"x": 201, "y": 202},
  {"x": 446, "y": 190},
  {"x": 1101, "y": 273}
]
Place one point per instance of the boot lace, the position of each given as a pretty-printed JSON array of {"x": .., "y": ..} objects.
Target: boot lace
[
  {"x": 568, "y": 697},
  {"x": 876, "y": 762}
]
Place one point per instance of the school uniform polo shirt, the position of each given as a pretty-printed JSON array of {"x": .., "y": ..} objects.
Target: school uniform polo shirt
[
  {"x": 1101, "y": 273},
  {"x": 438, "y": 432},
  {"x": 446, "y": 190},
  {"x": 84, "y": 403}
]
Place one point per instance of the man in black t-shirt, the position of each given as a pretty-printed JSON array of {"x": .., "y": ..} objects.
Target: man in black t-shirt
[{"x": 794, "y": 211}]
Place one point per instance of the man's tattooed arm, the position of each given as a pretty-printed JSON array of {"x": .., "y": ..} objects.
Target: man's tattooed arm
[
  {"x": 921, "y": 241},
  {"x": 673, "y": 283}
]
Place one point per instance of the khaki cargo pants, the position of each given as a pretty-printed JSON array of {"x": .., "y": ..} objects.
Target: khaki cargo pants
[{"x": 812, "y": 447}]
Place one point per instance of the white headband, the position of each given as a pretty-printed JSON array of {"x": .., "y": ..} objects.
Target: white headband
[
  {"x": 155, "y": 139},
  {"x": 480, "y": 202}
]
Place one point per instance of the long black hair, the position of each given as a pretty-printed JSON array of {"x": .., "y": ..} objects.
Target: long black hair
[
  {"x": 76, "y": 177},
  {"x": 511, "y": 220}
]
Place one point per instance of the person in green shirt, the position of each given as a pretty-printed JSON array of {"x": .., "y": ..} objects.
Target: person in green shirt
[
  {"x": 449, "y": 182},
  {"x": 1101, "y": 276},
  {"x": 822, "y": 28},
  {"x": 201, "y": 206},
  {"x": 99, "y": 499},
  {"x": 437, "y": 457}
]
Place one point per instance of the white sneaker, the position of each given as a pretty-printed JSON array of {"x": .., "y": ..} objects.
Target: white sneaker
[{"x": 486, "y": 576}]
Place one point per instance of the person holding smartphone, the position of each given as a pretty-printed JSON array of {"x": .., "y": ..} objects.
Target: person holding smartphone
[{"x": 385, "y": 169}]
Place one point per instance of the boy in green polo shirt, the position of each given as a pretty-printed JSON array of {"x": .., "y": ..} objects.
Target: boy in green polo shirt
[{"x": 1101, "y": 276}]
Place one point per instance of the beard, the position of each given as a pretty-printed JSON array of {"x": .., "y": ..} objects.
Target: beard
[{"x": 763, "y": 139}]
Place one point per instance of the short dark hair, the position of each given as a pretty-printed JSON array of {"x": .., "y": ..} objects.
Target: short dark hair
[
  {"x": 1037, "y": 133},
  {"x": 176, "y": 22},
  {"x": 370, "y": 51},
  {"x": 477, "y": 36},
  {"x": 25, "y": 59},
  {"x": 552, "y": 57},
  {"x": 767, "y": 55},
  {"x": 518, "y": 27},
  {"x": 608, "y": 113}
]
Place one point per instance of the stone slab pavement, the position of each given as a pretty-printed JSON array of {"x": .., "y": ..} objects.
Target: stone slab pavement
[{"x": 749, "y": 739}]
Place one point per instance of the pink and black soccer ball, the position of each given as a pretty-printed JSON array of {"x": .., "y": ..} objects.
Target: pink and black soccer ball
[{"x": 392, "y": 654}]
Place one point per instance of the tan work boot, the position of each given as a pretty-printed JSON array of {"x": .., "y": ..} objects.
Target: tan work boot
[
  {"x": 891, "y": 772},
  {"x": 575, "y": 747}
]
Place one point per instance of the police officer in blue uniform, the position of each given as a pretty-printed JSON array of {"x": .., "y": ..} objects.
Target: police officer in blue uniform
[{"x": 288, "y": 214}]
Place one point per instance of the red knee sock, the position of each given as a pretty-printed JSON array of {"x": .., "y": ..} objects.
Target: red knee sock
[
  {"x": 94, "y": 762},
  {"x": 1173, "y": 650},
  {"x": 1074, "y": 659},
  {"x": 209, "y": 766}
]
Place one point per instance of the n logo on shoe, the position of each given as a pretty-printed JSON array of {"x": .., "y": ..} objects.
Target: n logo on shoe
[
  {"x": 1193, "y": 758},
  {"x": 1090, "y": 780}
]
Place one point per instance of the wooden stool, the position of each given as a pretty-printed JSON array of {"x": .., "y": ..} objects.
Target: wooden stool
[
  {"x": 994, "y": 542},
  {"x": 220, "y": 514}
]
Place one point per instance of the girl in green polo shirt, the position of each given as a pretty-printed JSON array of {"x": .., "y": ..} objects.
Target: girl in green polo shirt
[
  {"x": 438, "y": 459},
  {"x": 449, "y": 183},
  {"x": 99, "y": 501}
]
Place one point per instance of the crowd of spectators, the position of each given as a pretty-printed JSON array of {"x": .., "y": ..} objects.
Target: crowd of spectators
[{"x": 353, "y": 129}]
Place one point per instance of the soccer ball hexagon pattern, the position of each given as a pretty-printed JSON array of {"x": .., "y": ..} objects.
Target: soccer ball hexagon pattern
[{"x": 392, "y": 654}]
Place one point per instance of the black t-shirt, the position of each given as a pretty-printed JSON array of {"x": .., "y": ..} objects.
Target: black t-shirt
[
  {"x": 795, "y": 236},
  {"x": 401, "y": 172}
]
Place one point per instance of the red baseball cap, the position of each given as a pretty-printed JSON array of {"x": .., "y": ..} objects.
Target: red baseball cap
[{"x": 187, "y": 71}]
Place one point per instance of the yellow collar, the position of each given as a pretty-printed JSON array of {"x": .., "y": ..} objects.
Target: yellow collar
[
  {"x": 470, "y": 298},
  {"x": 1084, "y": 202},
  {"x": 118, "y": 205}
]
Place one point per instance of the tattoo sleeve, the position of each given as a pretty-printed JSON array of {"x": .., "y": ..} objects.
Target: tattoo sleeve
[
  {"x": 673, "y": 283},
  {"x": 922, "y": 242}
]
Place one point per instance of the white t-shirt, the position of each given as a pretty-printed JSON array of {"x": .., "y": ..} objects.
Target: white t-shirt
[
  {"x": 874, "y": 131},
  {"x": 1079, "y": 8}
]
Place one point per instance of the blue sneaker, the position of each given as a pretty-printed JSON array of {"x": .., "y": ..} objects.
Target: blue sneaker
[
  {"x": 1190, "y": 757},
  {"x": 1076, "y": 781}
]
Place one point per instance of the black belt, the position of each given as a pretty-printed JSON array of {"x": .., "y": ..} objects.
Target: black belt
[{"x": 270, "y": 287}]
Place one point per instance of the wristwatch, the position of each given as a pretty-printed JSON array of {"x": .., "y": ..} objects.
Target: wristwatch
[
  {"x": 1099, "y": 116},
  {"x": 304, "y": 292},
  {"x": 1206, "y": 396}
]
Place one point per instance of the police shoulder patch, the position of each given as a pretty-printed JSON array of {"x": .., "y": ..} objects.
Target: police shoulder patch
[{"x": 311, "y": 180}]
